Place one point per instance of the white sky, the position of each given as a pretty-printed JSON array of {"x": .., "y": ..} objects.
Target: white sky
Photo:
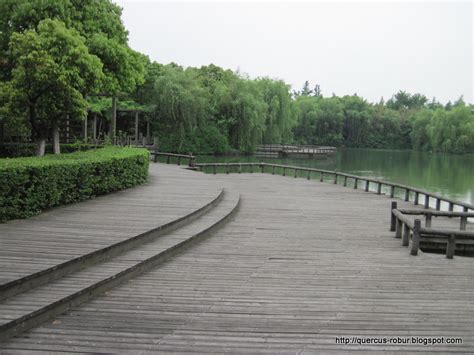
[{"x": 370, "y": 48}]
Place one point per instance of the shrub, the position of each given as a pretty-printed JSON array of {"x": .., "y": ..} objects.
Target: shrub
[{"x": 31, "y": 185}]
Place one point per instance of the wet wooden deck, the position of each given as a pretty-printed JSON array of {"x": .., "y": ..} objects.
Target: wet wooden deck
[{"x": 302, "y": 264}]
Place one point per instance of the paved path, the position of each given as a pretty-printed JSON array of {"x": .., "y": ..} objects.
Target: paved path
[{"x": 302, "y": 264}]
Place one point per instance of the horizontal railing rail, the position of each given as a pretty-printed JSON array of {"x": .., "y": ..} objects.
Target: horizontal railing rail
[
  {"x": 296, "y": 148},
  {"x": 191, "y": 158},
  {"x": 356, "y": 181},
  {"x": 402, "y": 225}
]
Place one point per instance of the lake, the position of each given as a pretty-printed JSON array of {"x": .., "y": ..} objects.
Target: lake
[{"x": 449, "y": 175}]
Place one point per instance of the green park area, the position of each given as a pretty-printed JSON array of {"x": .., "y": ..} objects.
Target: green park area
[{"x": 70, "y": 81}]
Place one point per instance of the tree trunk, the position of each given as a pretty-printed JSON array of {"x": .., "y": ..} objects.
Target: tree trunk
[
  {"x": 56, "y": 145},
  {"x": 40, "y": 146},
  {"x": 2, "y": 130}
]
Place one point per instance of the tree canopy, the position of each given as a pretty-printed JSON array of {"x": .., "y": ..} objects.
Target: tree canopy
[
  {"x": 54, "y": 53},
  {"x": 55, "y": 56}
]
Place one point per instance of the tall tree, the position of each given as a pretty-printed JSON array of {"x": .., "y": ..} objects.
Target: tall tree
[
  {"x": 97, "y": 21},
  {"x": 52, "y": 67},
  {"x": 306, "y": 91}
]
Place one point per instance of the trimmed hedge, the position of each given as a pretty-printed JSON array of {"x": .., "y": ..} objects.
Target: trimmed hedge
[
  {"x": 14, "y": 150},
  {"x": 31, "y": 185}
]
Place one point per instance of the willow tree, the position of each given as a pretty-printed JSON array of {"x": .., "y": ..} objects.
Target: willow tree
[
  {"x": 279, "y": 118},
  {"x": 182, "y": 105},
  {"x": 52, "y": 67}
]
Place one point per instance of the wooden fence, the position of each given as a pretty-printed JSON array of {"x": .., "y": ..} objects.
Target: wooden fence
[
  {"x": 295, "y": 148},
  {"x": 191, "y": 158},
  {"x": 402, "y": 225},
  {"x": 410, "y": 193}
]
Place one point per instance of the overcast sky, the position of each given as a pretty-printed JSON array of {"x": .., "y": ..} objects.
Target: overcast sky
[{"x": 372, "y": 48}]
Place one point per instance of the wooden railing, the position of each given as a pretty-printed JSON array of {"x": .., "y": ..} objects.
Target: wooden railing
[
  {"x": 191, "y": 158},
  {"x": 402, "y": 226},
  {"x": 296, "y": 148},
  {"x": 346, "y": 180}
]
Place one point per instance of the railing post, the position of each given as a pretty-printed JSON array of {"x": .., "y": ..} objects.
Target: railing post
[
  {"x": 465, "y": 209},
  {"x": 345, "y": 180},
  {"x": 367, "y": 182},
  {"x": 415, "y": 244},
  {"x": 168, "y": 159},
  {"x": 451, "y": 207},
  {"x": 356, "y": 181},
  {"x": 192, "y": 160},
  {"x": 427, "y": 201},
  {"x": 398, "y": 231},
  {"x": 451, "y": 246},
  {"x": 463, "y": 224},
  {"x": 321, "y": 177},
  {"x": 406, "y": 235},
  {"x": 379, "y": 188},
  {"x": 179, "y": 160},
  {"x": 296, "y": 173},
  {"x": 407, "y": 194},
  {"x": 309, "y": 175},
  {"x": 261, "y": 167},
  {"x": 392, "y": 191},
  {"x": 335, "y": 178},
  {"x": 428, "y": 219},
  {"x": 155, "y": 157},
  {"x": 438, "y": 204},
  {"x": 240, "y": 168},
  {"x": 417, "y": 195},
  {"x": 215, "y": 169},
  {"x": 284, "y": 171},
  {"x": 227, "y": 168},
  {"x": 273, "y": 169},
  {"x": 392, "y": 216}
]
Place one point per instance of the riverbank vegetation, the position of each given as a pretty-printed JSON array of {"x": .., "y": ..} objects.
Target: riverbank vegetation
[{"x": 62, "y": 61}]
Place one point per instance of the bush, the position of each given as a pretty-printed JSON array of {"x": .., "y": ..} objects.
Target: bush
[
  {"x": 31, "y": 185},
  {"x": 13, "y": 150}
]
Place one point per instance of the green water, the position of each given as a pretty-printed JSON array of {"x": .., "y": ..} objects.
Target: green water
[{"x": 449, "y": 175}]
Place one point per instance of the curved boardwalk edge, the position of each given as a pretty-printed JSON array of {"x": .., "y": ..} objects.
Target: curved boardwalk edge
[
  {"x": 28, "y": 282},
  {"x": 39, "y": 316}
]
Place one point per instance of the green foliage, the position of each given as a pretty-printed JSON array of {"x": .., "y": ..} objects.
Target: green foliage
[
  {"x": 14, "y": 150},
  {"x": 31, "y": 185},
  {"x": 53, "y": 53},
  {"x": 211, "y": 109},
  {"x": 52, "y": 67},
  {"x": 444, "y": 131},
  {"x": 406, "y": 101},
  {"x": 407, "y": 121},
  {"x": 208, "y": 140},
  {"x": 97, "y": 21}
]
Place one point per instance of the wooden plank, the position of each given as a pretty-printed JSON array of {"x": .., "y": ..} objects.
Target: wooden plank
[{"x": 302, "y": 263}]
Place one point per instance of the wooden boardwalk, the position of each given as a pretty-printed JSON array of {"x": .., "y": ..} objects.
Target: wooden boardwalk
[
  {"x": 61, "y": 234},
  {"x": 302, "y": 264}
]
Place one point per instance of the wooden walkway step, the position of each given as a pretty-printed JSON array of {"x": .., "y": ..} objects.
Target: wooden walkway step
[
  {"x": 39, "y": 304},
  {"x": 64, "y": 233},
  {"x": 38, "y": 278}
]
